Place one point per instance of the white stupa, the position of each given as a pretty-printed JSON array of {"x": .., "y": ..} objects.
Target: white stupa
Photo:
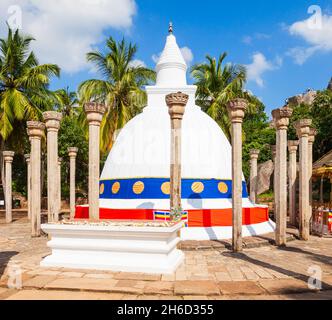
[{"x": 135, "y": 180}]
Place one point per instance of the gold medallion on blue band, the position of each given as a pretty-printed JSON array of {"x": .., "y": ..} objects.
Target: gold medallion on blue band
[{"x": 159, "y": 188}]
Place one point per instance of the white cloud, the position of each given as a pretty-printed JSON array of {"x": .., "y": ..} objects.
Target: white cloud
[
  {"x": 66, "y": 30},
  {"x": 257, "y": 36},
  {"x": 137, "y": 63},
  {"x": 301, "y": 54},
  {"x": 155, "y": 58},
  {"x": 316, "y": 31},
  {"x": 247, "y": 40},
  {"x": 259, "y": 66},
  {"x": 187, "y": 54}
]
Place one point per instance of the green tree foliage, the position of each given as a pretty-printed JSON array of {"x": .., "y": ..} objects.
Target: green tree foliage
[
  {"x": 24, "y": 83},
  {"x": 321, "y": 114},
  {"x": 257, "y": 135},
  {"x": 72, "y": 134},
  {"x": 217, "y": 84},
  {"x": 121, "y": 88}
]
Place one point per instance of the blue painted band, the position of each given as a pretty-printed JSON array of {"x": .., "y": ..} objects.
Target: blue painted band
[{"x": 154, "y": 188}]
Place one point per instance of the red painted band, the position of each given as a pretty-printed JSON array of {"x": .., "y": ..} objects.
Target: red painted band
[{"x": 196, "y": 218}]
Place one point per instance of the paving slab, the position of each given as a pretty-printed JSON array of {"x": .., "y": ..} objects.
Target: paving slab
[
  {"x": 196, "y": 288},
  {"x": 69, "y": 274},
  {"x": 159, "y": 288},
  {"x": 137, "y": 276},
  {"x": 38, "y": 282},
  {"x": 62, "y": 295},
  {"x": 240, "y": 288},
  {"x": 98, "y": 276},
  {"x": 284, "y": 286},
  {"x": 102, "y": 285}
]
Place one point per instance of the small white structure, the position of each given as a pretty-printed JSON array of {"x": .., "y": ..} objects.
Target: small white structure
[{"x": 151, "y": 249}]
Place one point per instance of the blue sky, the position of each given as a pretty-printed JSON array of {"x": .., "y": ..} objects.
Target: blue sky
[{"x": 284, "y": 55}]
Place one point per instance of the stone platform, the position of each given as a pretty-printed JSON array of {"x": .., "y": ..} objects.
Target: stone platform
[{"x": 263, "y": 272}]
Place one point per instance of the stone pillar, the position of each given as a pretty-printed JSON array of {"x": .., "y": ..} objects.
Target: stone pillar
[
  {"x": 94, "y": 113},
  {"x": 8, "y": 157},
  {"x": 253, "y": 175},
  {"x": 72, "y": 152},
  {"x": 176, "y": 103},
  {"x": 312, "y": 136},
  {"x": 236, "y": 110},
  {"x": 52, "y": 120},
  {"x": 27, "y": 159},
  {"x": 35, "y": 132},
  {"x": 303, "y": 131},
  {"x": 281, "y": 120},
  {"x": 59, "y": 188},
  {"x": 292, "y": 177},
  {"x": 274, "y": 156}
]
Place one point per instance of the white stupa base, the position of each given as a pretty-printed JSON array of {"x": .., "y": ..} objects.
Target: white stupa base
[
  {"x": 224, "y": 233},
  {"x": 114, "y": 248}
]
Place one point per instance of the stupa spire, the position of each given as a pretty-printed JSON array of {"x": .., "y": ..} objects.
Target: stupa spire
[
  {"x": 171, "y": 67},
  {"x": 170, "y": 28}
]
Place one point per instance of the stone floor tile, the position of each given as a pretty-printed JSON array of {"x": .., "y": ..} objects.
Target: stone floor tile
[
  {"x": 103, "y": 285},
  {"x": 223, "y": 276},
  {"x": 98, "y": 276},
  {"x": 195, "y": 298},
  {"x": 148, "y": 297},
  {"x": 284, "y": 286},
  {"x": 69, "y": 274},
  {"x": 235, "y": 273},
  {"x": 240, "y": 288},
  {"x": 38, "y": 282},
  {"x": 159, "y": 288},
  {"x": 137, "y": 276},
  {"x": 197, "y": 288},
  {"x": 168, "y": 277},
  {"x": 48, "y": 273},
  {"x": 62, "y": 295},
  {"x": 249, "y": 273}
]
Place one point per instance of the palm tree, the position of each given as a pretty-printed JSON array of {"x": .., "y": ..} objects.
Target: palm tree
[
  {"x": 121, "y": 88},
  {"x": 217, "y": 85},
  {"x": 24, "y": 83},
  {"x": 66, "y": 102}
]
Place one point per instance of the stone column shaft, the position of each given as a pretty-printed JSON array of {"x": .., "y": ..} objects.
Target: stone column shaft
[
  {"x": 281, "y": 119},
  {"x": 292, "y": 177},
  {"x": 303, "y": 131},
  {"x": 52, "y": 121},
  {"x": 176, "y": 103},
  {"x": 312, "y": 135},
  {"x": 94, "y": 114},
  {"x": 274, "y": 157},
  {"x": 8, "y": 159},
  {"x": 236, "y": 111},
  {"x": 35, "y": 132},
  {"x": 175, "y": 173},
  {"x": 72, "y": 158},
  {"x": 59, "y": 188},
  {"x": 27, "y": 158},
  {"x": 253, "y": 175}
]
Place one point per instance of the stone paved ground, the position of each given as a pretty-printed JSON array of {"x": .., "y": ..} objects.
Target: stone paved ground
[{"x": 216, "y": 273}]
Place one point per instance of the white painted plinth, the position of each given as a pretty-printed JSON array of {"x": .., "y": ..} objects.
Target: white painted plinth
[{"x": 114, "y": 248}]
